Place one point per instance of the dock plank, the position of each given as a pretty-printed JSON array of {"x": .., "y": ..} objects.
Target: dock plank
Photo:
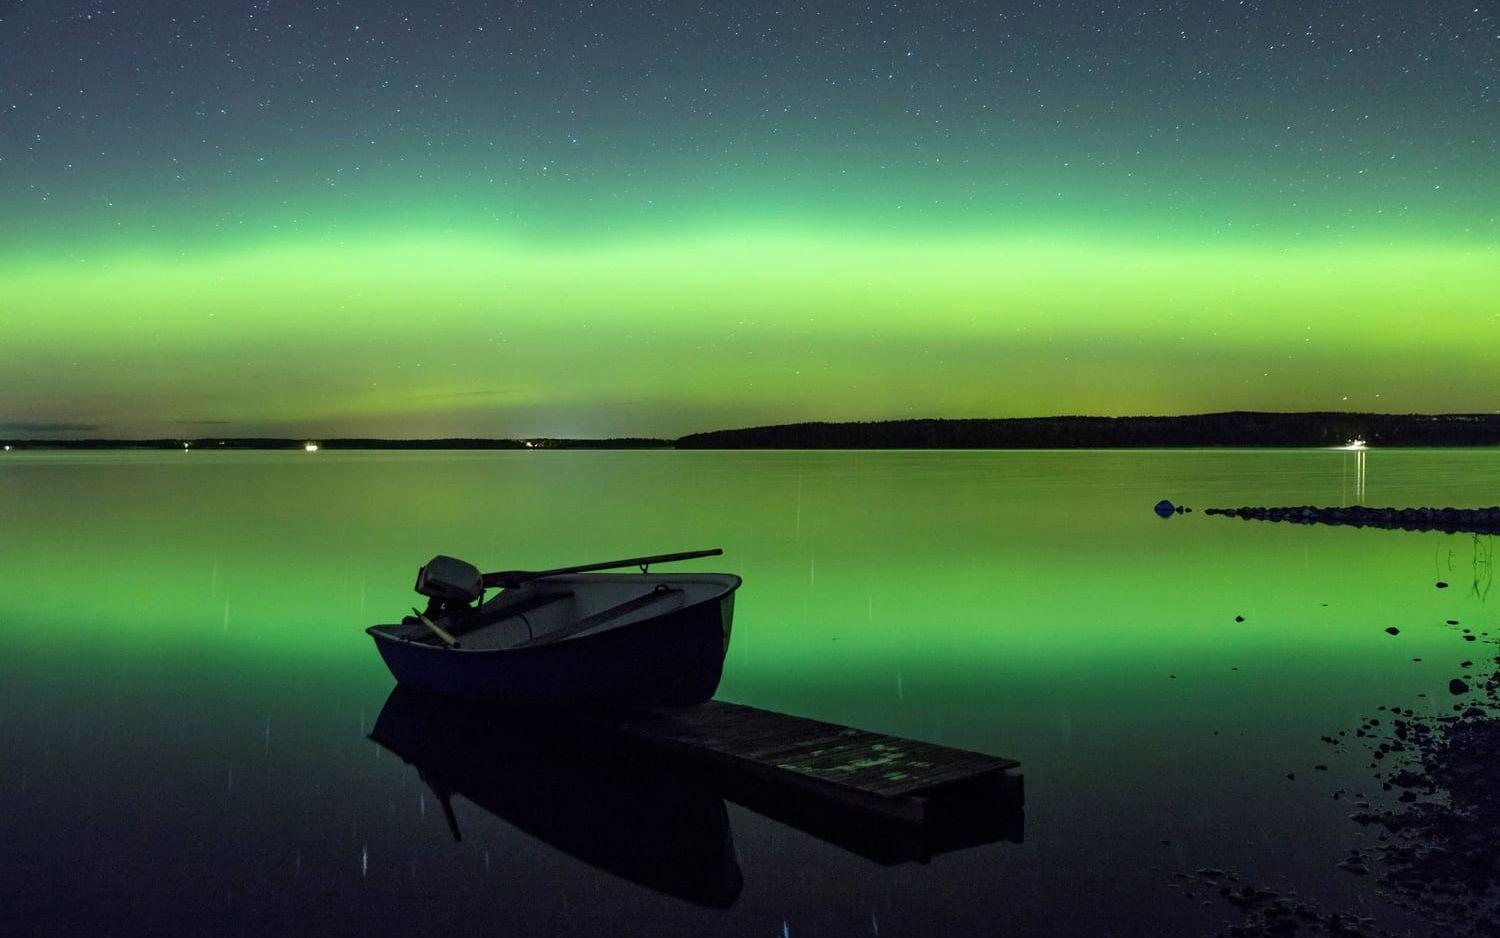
[{"x": 851, "y": 761}]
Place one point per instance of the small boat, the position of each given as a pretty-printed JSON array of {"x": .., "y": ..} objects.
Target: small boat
[{"x": 565, "y": 637}]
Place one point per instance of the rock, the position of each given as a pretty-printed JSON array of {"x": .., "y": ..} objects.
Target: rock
[
  {"x": 1239, "y": 618},
  {"x": 1247, "y": 896},
  {"x": 1457, "y": 687},
  {"x": 1392, "y": 630},
  {"x": 1441, "y": 585}
]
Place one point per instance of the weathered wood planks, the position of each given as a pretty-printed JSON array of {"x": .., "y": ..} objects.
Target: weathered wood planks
[{"x": 860, "y": 769}]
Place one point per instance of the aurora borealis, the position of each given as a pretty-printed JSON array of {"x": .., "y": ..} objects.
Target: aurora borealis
[{"x": 520, "y": 219}]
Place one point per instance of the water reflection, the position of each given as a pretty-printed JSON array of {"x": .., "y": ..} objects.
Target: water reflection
[
  {"x": 1484, "y": 566},
  {"x": 573, "y": 790},
  {"x": 633, "y": 813},
  {"x": 1359, "y": 475}
]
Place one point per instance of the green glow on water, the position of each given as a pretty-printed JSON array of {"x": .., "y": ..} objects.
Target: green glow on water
[
  {"x": 186, "y": 668},
  {"x": 948, "y": 568}
]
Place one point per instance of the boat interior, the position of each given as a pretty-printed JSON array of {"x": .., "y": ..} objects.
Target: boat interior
[{"x": 562, "y": 608}]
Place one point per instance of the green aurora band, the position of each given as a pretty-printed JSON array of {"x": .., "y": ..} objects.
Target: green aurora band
[{"x": 469, "y": 334}]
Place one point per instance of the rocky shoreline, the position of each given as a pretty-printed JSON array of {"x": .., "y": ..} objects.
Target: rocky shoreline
[
  {"x": 1452, "y": 520},
  {"x": 1434, "y": 807},
  {"x": 1439, "y": 851}
]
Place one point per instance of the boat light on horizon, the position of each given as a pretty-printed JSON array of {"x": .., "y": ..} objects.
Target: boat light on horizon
[
  {"x": 1356, "y": 443},
  {"x": 310, "y": 447}
]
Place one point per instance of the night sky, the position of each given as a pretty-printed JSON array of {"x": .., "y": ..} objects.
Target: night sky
[{"x": 505, "y": 219}]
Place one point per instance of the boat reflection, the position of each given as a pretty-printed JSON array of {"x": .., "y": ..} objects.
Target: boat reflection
[
  {"x": 653, "y": 820},
  {"x": 575, "y": 791}
]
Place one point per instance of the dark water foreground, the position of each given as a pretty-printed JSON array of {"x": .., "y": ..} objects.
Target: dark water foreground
[{"x": 189, "y": 698}]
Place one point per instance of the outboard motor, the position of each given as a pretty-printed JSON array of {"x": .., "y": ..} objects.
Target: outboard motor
[{"x": 449, "y": 584}]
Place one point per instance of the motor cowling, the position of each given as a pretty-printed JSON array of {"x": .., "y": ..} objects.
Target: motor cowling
[{"x": 449, "y": 580}]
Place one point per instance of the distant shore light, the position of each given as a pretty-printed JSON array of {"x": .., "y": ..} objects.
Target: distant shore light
[
  {"x": 310, "y": 447},
  {"x": 1356, "y": 443}
]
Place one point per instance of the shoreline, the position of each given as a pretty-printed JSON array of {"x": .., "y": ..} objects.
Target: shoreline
[
  {"x": 1229, "y": 430},
  {"x": 116, "y": 446}
]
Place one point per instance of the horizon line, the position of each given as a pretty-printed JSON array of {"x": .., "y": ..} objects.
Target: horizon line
[{"x": 542, "y": 442}]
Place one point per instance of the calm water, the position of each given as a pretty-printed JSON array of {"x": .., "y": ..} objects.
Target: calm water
[{"x": 188, "y": 692}]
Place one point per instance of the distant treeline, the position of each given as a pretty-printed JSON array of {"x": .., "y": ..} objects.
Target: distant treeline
[
  {"x": 217, "y": 443},
  {"x": 1239, "y": 428},
  {"x": 623, "y": 442}
]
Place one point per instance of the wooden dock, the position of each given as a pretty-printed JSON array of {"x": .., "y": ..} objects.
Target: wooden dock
[
  {"x": 616, "y": 776},
  {"x": 855, "y": 770}
]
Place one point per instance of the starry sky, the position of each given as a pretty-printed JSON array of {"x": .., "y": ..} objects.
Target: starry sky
[{"x": 593, "y": 219}]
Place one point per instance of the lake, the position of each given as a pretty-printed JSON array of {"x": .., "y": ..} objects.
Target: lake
[{"x": 189, "y": 691}]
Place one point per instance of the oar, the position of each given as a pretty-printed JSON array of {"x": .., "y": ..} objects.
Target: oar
[
  {"x": 448, "y": 640},
  {"x": 513, "y": 578}
]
